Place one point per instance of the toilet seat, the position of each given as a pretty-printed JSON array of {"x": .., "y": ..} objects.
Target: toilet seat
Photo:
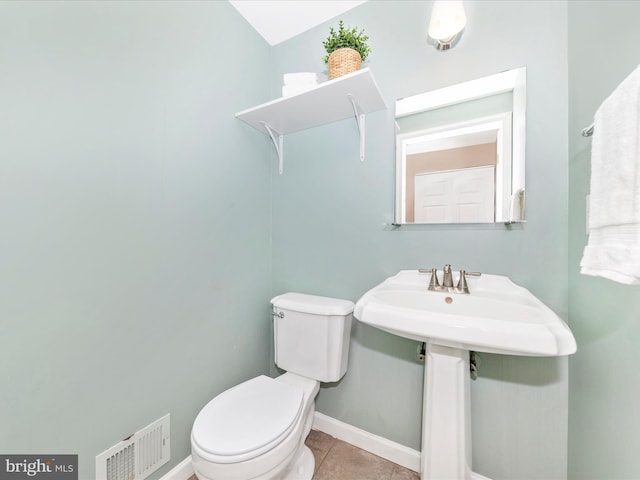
[{"x": 247, "y": 420}]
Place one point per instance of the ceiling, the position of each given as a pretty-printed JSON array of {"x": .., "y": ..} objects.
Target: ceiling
[{"x": 280, "y": 20}]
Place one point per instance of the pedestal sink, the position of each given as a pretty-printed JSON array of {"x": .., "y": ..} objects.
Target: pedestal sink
[{"x": 497, "y": 316}]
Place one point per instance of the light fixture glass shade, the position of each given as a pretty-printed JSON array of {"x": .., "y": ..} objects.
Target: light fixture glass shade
[{"x": 447, "y": 21}]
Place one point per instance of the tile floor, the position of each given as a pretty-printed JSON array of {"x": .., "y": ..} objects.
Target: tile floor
[{"x": 338, "y": 460}]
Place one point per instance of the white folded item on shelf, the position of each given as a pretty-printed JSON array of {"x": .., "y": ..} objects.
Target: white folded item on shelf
[{"x": 301, "y": 78}]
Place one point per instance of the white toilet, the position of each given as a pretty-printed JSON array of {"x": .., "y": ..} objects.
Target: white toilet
[{"x": 256, "y": 430}]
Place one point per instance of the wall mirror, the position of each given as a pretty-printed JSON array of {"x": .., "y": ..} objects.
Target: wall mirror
[{"x": 460, "y": 152}]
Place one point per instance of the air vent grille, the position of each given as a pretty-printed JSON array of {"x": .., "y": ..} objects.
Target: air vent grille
[{"x": 137, "y": 456}]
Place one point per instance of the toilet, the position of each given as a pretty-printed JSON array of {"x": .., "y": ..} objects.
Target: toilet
[{"x": 256, "y": 430}]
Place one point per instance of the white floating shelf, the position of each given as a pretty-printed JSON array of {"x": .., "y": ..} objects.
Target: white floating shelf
[{"x": 352, "y": 95}]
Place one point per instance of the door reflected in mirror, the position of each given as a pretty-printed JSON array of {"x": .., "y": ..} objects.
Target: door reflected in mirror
[{"x": 460, "y": 152}]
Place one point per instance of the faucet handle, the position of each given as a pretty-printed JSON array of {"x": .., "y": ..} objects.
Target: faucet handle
[
  {"x": 433, "y": 282},
  {"x": 474, "y": 274},
  {"x": 462, "y": 281}
]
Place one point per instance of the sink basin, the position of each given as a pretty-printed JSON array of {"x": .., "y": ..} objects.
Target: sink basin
[{"x": 498, "y": 316}]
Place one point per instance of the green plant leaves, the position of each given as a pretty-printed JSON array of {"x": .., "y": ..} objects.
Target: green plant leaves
[{"x": 346, "y": 38}]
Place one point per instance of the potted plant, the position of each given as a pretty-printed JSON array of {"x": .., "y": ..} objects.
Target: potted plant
[{"x": 346, "y": 50}]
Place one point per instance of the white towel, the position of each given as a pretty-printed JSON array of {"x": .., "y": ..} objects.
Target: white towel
[
  {"x": 300, "y": 78},
  {"x": 613, "y": 249}
]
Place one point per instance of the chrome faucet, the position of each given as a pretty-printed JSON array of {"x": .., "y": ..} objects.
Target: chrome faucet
[
  {"x": 447, "y": 280},
  {"x": 447, "y": 277}
]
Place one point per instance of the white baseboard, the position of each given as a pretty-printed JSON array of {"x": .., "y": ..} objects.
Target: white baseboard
[
  {"x": 182, "y": 471},
  {"x": 392, "y": 451}
]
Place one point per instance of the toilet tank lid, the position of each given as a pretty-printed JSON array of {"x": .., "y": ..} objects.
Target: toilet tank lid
[{"x": 301, "y": 302}]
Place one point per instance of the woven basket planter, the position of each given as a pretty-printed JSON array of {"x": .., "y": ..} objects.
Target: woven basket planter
[{"x": 343, "y": 61}]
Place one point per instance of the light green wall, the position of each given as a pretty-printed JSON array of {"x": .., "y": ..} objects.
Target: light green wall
[
  {"x": 604, "y": 418},
  {"x": 131, "y": 267},
  {"x": 332, "y": 233},
  {"x": 135, "y": 218}
]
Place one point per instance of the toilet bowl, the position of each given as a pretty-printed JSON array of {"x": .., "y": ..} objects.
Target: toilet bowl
[
  {"x": 256, "y": 430},
  {"x": 253, "y": 430}
]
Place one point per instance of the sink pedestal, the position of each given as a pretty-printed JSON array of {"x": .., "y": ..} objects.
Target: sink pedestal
[{"x": 446, "y": 428}]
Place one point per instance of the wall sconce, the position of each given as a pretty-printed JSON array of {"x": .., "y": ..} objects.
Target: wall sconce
[{"x": 447, "y": 22}]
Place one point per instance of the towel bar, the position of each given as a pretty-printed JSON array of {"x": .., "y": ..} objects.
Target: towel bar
[{"x": 587, "y": 131}]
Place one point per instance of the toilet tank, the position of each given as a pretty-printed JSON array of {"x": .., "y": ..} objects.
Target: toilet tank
[{"x": 311, "y": 335}]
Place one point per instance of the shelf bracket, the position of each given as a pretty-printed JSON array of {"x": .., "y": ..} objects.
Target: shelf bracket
[
  {"x": 276, "y": 143},
  {"x": 360, "y": 121}
]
